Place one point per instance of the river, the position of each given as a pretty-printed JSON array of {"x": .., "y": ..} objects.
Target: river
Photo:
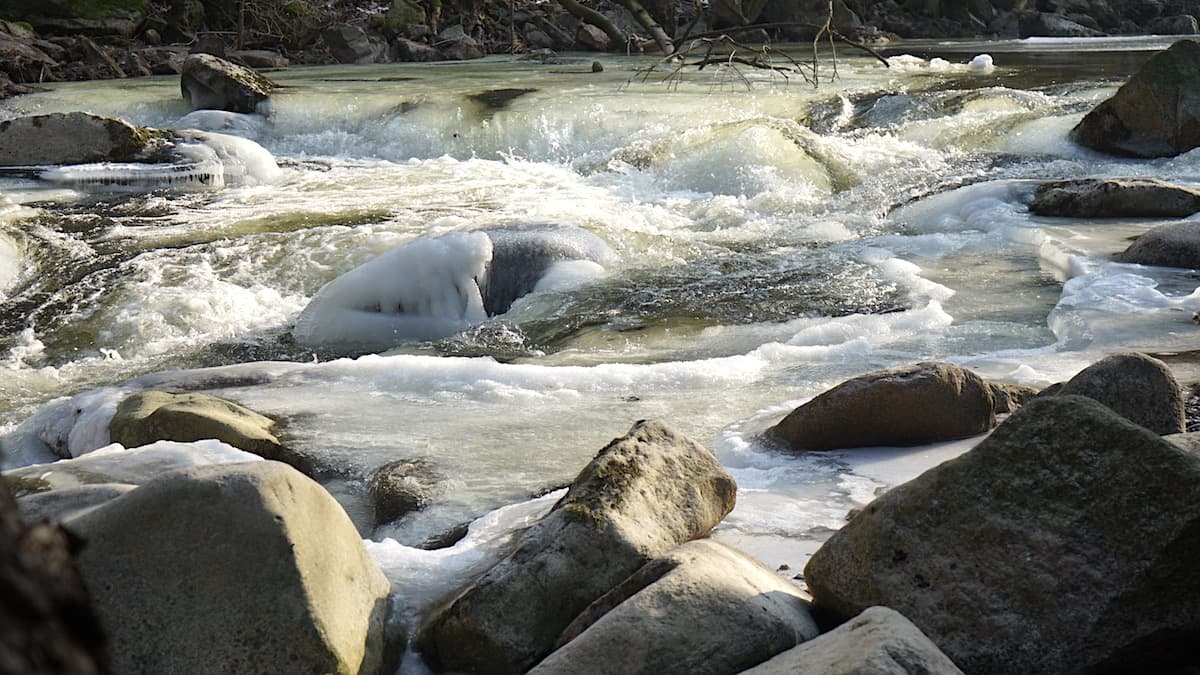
[{"x": 766, "y": 240}]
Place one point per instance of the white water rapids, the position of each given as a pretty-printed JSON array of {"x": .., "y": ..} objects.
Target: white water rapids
[{"x": 767, "y": 243}]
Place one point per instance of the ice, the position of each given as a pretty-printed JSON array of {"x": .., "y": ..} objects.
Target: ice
[{"x": 116, "y": 464}]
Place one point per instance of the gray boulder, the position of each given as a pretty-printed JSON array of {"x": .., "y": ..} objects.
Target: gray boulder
[
  {"x": 403, "y": 49},
  {"x": 56, "y": 505},
  {"x": 726, "y": 612},
  {"x": 1172, "y": 245},
  {"x": 1177, "y": 24},
  {"x": 351, "y": 44},
  {"x": 454, "y": 44},
  {"x": 880, "y": 641},
  {"x": 911, "y": 405},
  {"x": 211, "y": 83},
  {"x": 1047, "y": 24},
  {"x": 1139, "y": 388},
  {"x": 1065, "y": 542},
  {"x": 259, "y": 58},
  {"x": 235, "y": 568},
  {"x": 1156, "y": 113},
  {"x": 78, "y": 138},
  {"x": 1115, "y": 198},
  {"x": 643, "y": 495}
]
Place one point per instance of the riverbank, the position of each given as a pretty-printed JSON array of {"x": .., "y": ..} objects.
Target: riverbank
[{"x": 52, "y": 42}]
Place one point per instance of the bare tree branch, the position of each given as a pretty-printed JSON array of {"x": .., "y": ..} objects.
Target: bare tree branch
[{"x": 589, "y": 15}]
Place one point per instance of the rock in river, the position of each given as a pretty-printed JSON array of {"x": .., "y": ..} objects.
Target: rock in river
[
  {"x": 77, "y": 138},
  {"x": 1115, "y": 198},
  {"x": 236, "y": 568},
  {"x": 212, "y": 83},
  {"x": 1066, "y": 542},
  {"x": 723, "y": 612},
  {"x": 642, "y": 495},
  {"x": 1154, "y": 114},
  {"x": 1171, "y": 245},
  {"x": 912, "y": 405}
]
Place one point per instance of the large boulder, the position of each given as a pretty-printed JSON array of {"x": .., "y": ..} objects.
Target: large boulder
[
  {"x": 46, "y": 622},
  {"x": 148, "y": 416},
  {"x": 726, "y": 612},
  {"x": 351, "y": 44},
  {"x": 1171, "y": 245},
  {"x": 234, "y": 568},
  {"x": 454, "y": 44},
  {"x": 1066, "y": 542},
  {"x": 1047, "y": 24},
  {"x": 211, "y": 83},
  {"x": 77, "y": 138},
  {"x": 1140, "y": 388},
  {"x": 911, "y": 405},
  {"x": 642, "y": 495},
  {"x": 1115, "y": 198},
  {"x": 1177, "y": 24},
  {"x": 1155, "y": 114},
  {"x": 880, "y": 641}
]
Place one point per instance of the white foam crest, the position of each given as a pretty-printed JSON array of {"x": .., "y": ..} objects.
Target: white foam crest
[
  {"x": 171, "y": 302},
  {"x": 115, "y": 464},
  {"x": 421, "y": 290}
]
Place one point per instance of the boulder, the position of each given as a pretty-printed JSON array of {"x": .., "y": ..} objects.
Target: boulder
[
  {"x": 454, "y": 44},
  {"x": 349, "y": 44},
  {"x": 1115, "y": 198},
  {"x": 1171, "y": 245},
  {"x": 880, "y": 641},
  {"x": 911, "y": 405},
  {"x": 259, "y": 58},
  {"x": 149, "y": 416},
  {"x": 404, "y": 49},
  {"x": 642, "y": 495},
  {"x": 233, "y": 568},
  {"x": 1021, "y": 554},
  {"x": 1139, "y": 388},
  {"x": 212, "y": 83},
  {"x": 591, "y": 37},
  {"x": 46, "y": 622},
  {"x": 1178, "y": 24},
  {"x": 56, "y": 505},
  {"x": 1009, "y": 397},
  {"x": 1154, "y": 114},
  {"x": 77, "y": 138},
  {"x": 1187, "y": 441},
  {"x": 21, "y": 60},
  {"x": 726, "y": 612},
  {"x": 401, "y": 487},
  {"x": 1046, "y": 24}
]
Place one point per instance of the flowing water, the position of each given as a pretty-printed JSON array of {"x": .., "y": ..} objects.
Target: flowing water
[{"x": 762, "y": 243}]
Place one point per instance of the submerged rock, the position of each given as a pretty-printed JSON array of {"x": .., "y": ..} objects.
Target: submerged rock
[
  {"x": 1065, "y": 543},
  {"x": 1155, "y": 114},
  {"x": 1115, "y": 198},
  {"x": 77, "y": 138},
  {"x": 880, "y": 641},
  {"x": 912, "y": 405},
  {"x": 210, "y": 82},
  {"x": 727, "y": 612},
  {"x": 1137, "y": 387},
  {"x": 234, "y": 568},
  {"x": 643, "y": 495},
  {"x": 401, "y": 487},
  {"x": 1171, "y": 245}
]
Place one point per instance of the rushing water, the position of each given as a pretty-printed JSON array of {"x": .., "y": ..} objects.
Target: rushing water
[{"x": 764, "y": 243}]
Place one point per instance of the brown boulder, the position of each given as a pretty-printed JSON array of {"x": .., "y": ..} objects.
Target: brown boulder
[
  {"x": 912, "y": 405},
  {"x": 1115, "y": 198},
  {"x": 212, "y": 83}
]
